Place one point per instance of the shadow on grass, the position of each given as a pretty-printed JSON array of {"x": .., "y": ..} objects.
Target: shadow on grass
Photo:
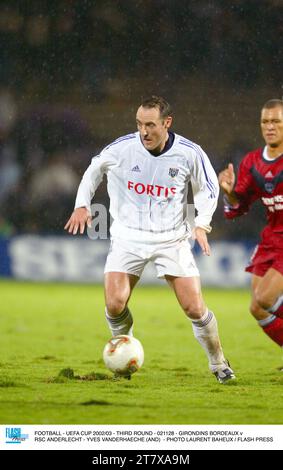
[
  {"x": 95, "y": 403},
  {"x": 7, "y": 383},
  {"x": 47, "y": 358}
]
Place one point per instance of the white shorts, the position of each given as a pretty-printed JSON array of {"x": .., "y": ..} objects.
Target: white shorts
[{"x": 174, "y": 259}]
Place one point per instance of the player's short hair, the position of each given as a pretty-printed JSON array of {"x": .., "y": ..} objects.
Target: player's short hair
[
  {"x": 159, "y": 103},
  {"x": 273, "y": 104}
]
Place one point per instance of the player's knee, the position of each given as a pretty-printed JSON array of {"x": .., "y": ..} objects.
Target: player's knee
[
  {"x": 194, "y": 310},
  {"x": 263, "y": 300},
  {"x": 116, "y": 306},
  {"x": 255, "y": 310}
]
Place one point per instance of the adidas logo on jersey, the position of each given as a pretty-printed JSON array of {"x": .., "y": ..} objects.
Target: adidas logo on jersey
[{"x": 136, "y": 168}]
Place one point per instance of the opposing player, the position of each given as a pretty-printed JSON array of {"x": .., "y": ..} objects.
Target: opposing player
[
  {"x": 148, "y": 174},
  {"x": 260, "y": 176}
]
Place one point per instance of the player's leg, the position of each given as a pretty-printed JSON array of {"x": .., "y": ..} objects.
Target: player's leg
[
  {"x": 123, "y": 268},
  {"x": 269, "y": 291},
  {"x": 204, "y": 323},
  {"x": 118, "y": 287},
  {"x": 264, "y": 294}
]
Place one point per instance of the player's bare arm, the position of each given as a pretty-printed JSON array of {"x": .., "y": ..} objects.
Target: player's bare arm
[
  {"x": 79, "y": 218},
  {"x": 226, "y": 180}
]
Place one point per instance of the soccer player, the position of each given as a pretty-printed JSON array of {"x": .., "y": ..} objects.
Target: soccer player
[
  {"x": 148, "y": 174},
  {"x": 260, "y": 176}
]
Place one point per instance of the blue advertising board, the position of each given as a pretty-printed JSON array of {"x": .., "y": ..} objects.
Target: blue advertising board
[{"x": 70, "y": 259}]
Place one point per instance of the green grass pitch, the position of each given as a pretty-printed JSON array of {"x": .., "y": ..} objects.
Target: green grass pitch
[{"x": 46, "y": 328}]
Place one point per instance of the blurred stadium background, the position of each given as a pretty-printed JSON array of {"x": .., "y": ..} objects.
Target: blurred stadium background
[{"x": 71, "y": 76}]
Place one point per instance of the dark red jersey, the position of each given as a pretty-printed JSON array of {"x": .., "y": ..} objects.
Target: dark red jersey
[{"x": 259, "y": 178}]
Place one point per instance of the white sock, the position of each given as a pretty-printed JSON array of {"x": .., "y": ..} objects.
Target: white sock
[
  {"x": 121, "y": 324},
  {"x": 267, "y": 321},
  {"x": 206, "y": 332},
  {"x": 276, "y": 305}
]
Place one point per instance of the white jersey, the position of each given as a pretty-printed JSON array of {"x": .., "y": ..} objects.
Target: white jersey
[{"x": 148, "y": 194}]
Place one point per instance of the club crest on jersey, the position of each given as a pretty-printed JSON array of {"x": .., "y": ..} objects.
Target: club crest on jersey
[
  {"x": 269, "y": 186},
  {"x": 173, "y": 172}
]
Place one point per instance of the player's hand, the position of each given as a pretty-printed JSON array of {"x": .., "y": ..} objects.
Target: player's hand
[
  {"x": 227, "y": 178},
  {"x": 201, "y": 237},
  {"x": 79, "y": 218}
]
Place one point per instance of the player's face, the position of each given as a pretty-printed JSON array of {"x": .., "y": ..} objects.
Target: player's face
[
  {"x": 152, "y": 128},
  {"x": 272, "y": 126}
]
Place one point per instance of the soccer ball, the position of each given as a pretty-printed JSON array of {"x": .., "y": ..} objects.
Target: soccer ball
[{"x": 123, "y": 355}]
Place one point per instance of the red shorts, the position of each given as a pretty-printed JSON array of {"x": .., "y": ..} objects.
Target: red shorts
[{"x": 265, "y": 257}]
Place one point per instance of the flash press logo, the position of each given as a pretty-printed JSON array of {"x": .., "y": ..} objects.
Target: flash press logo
[
  {"x": 161, "y": 219},
  {"x": 15, "y": 436}
]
